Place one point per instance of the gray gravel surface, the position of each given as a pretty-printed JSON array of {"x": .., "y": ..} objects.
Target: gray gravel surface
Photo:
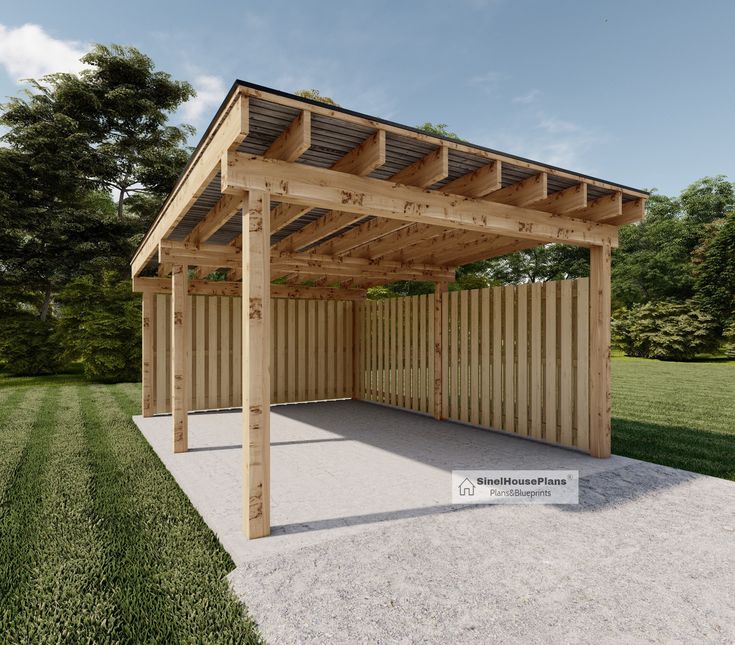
[{"x": 648, "y": 556}]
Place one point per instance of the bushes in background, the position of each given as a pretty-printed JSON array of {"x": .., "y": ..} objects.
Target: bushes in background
[{"x": 669, "y": 331}]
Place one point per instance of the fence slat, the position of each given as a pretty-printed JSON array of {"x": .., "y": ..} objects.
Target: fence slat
[
  {"x": 583, "y": 358},
  {"x": 509, "y": 350},
  {"x": 497, "y": 357},
  {"x": 565, "y": 359},
  {"x": 550, "y": 376},
  {"x": 522, "y": 359}
]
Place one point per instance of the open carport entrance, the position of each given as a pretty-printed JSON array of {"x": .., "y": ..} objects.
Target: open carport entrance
[{"x": 301, "y": 207}]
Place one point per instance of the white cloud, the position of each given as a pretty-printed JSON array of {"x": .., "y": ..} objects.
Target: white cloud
[
  {"x": 211, "y": 91},
  {"x": 557, "y": 126},
  {"x": 487, "y": 82},
  {"x": 527, "y": 98},
  {"x": 29, "y": 52}
]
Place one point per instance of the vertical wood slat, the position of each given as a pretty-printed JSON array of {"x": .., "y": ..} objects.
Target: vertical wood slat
[
  {"x": 179, "y": 358},
  {"x": 550, "y": 366},
  {"x": 522, "y": 405},
  {"x": 212, "y": 354},
  {"x": 147, "y": 355},
  {"x": 280, "y": 345},
  {"x": 200, "y": 402},
  {"x": 582, "y": 362},
  {"x": 421, "y": 367},
  {"x": 162, "y": 343},
  {"x": 537, "y": 375},
  {"x": 486, "y": 327},
  {"x": 400, "y": 353},
  {"x": 415, "y": 405},
  {"x": 464, "y": 338},
  {"x": 474, "y": 359},
  {"x": 236, "y": 352},
  {"x": 454, "y": 354},
  {"x": 599, "y": 397},
  {"x": 340, "y": 364},
  {"x": 433, "y": 363},
  {"x": 301, "y": 388},
  {"x": 445, "y": 353},
  {"x": 565, "y": 363},
  {"x": 509, "y": 349},
  {"x": 497, "y": 358},
  {"x": 293, "y": 367}
]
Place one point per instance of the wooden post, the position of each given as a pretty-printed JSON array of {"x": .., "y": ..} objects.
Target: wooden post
[
  {"x": 600, "y": 400},
  {"x": 179, "y": 358},
  {"x": 356, "y": 353},
  {"x": 149, "y": 304},
  {"x": 256, "y": 380},
  {"x": 439, "y": 291}
]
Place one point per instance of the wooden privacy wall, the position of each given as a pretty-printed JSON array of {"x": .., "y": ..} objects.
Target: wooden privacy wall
[
  {"x": 311, "y": 349},
  {"x": 396, "y": 352},
  {"x": 514, "y": 358}
]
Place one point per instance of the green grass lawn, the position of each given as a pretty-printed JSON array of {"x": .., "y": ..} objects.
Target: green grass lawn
[
  {"x": 97, "y": 542},
  {"x": 677, "y": 414}
]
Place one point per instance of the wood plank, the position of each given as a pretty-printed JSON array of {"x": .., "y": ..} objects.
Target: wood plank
[
  {"x": 509, "y": 351},
  {"x": 566, "y": 402},
  {"x": 393, "y": 352},
  {"x": 440, "y": 291},
  {"x": 311, "y": 356},
  {"x": 430, "y": 361},
  {"x": 215, "y": 219},
  {"x": 599, "y": 401},
  {"x": 464, "y": 336},
  {"x": 350, "y": 343},
  {"x": 564, "y": 201},
  {"x": 179, "y": 359},
  {"x": 213, "y": 396},
  {"x": 364, "y": 158},
  {"x": 316, "y": 293},
  {"x": 360, "y": 235},
  {"x": 291, "y": 355},
  {"x": 338, "y": 375},
  {"x": 446, "y": 343},
  {"x": 256, "y": 364},
  {"x": 582, "y": 365},
  {"x": 237, "y": 352},
  {"x": 537, "y": 369},
  {"x": 415, "y": 352},
  {"x": 357, "y": 349},
  {"x": 454, "y": 391},
  {"x": 523, "y": 193},
  {"x": 200, "y": 402},
  {"x": 426, "y": 171},
  {"x": 632, "y": 211},
  {"x": 225, "y": 337},
  {"x": 422, "y": 354},
  {"x": 550, "y": 365},
  {"x": 498, "y": 358},
  {"x": 400, "y": 354},
  {"x": 522, "y": 291},
  {"x": 301, "y": 385},
  {"x": 161, "y": 358},
  {"x": 147, "y": 353},
  {"x": 486, "y": 322},
  {"x": 477, "y": 183},
  {"x": 322, "y": 188},
  {"x": 325, "y": 226},
  {"x": 321, "y": 350},
  {"x": 329, "y": 329},
  {"x": 603, "y": 208},
  {"x": 280, "y": 395},
  {"x": 294, "y": 141},
  {"x": 474, "y": 362}
]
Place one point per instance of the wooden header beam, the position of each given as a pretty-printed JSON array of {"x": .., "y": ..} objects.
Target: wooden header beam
[{"x": 318, "y": 187}]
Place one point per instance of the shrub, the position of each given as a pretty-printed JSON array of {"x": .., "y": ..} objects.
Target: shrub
[
  {"x": 27, "y": 345},
  {"x": 667, "y": 331},
  {"x": 99, "y": 326},
  {"x": 729, "y": 336}
]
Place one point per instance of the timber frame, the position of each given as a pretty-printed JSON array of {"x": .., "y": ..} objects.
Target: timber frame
[{"x": 287, "y": 197}]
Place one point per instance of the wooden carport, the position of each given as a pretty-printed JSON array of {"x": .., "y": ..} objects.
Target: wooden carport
[{"x": 299, "y": 200}]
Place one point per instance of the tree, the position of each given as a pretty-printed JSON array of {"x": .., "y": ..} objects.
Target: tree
[
  {"x": 715, "y": 271},
  {"x": 708, "y": 199},
  {"x": 439, "y": 130},
  {"x": 316, "y": 95},
  {"x": 110, "y": 121}
]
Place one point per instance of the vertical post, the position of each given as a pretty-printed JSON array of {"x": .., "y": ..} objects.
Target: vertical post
[
  {"x": 439, "y": 332},
  {"x": 256, "y": 379},
  {"x": 600, "y": 403},
  {"x": 148, "y": 311},
  {"x": 356, "y": 353},
  {"x": 179, "y": 358}
]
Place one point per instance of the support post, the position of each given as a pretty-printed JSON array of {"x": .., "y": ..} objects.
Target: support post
[
  {"x": 600, "y": 398},
  {"x": 149, "y": 302},
  {"x": 179, "y": 358},
  {"x": 256, "y": 358},
  {"x": 439, "y": 291},
  {"x": 356, "y": 353}
]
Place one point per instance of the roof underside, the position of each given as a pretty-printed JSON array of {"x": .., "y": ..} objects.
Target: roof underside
[{"x": 331, "y": 138}]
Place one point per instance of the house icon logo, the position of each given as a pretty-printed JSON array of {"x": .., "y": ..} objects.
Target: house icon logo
[{"x": 466, "y": 488}]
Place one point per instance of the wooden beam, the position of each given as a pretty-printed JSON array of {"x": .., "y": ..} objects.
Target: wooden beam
[
  {"x": 256, "y": 365},
  {"x": 360, "y": 235},
  {"x": 322, "y": 188},
  {"x": 323, "y": 227},
  {"x": 179, "y": 359},
  {"x": 398, "y": 240},
  {"x": 633, "y": 211},
  {"x": 426, "y": 171},
  {"x": 365, "y": 158},
  {"x": 600, "y": 400},
  {"x": 148, "y": 313},
  {"x": 204, "y": 255},
  {"x": 479, "y": 183},
  {"x": 294, "y": 141},
  {"x": 226, "y": 134},
  {"x": 564, "y": 201},
  {"x": 524, "y": 193},
  {"x": 450, "y": 241},
  {"x": 440, "y": 293},
  {"x": 215, "y": 219},
  {"x": 602, "y": 208},
  {"x": 316, "y": 293}
]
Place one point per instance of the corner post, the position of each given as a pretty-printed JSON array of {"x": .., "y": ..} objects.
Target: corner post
[
  {"x": 256, "y": 359},
  {"x": 147, "y": 315},
  {"x": 179, "y": 358},
  {"x": 439, "y": 409},
  {"x": 600, "y": 311}
]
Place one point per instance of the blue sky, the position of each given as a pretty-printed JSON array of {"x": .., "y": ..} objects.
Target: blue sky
[{"x": 641, "y": 93}]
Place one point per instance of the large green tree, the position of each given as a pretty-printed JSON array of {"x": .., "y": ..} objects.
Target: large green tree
[{"x": 715, "y": 271}]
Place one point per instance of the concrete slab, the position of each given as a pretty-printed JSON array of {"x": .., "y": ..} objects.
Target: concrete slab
[
  {"x": 367, "y": 547},
  {"x": 338, "y": 467}
]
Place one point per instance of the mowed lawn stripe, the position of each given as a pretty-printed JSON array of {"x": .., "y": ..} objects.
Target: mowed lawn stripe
[
  {"x": 21, "y": 513},
  {"x": 165, "y": 565},
  {"x": 17, "y": 411}
]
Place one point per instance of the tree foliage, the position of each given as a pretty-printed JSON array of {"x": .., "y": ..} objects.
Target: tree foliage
[
  {"x": 715, "y": 271},
  {"x": 439, "y": 130},
  {"x": 316, "y": 95},
  {"x": 669, "y": 331}
]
